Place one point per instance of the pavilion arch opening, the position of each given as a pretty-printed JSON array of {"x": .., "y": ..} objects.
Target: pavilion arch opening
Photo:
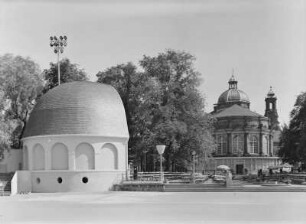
[
  {"x": 25, "y": 158},
  {"x": 59, "y": 157},
  {"x": 38, "y": 157},
  {"x": 108, "y": 158},
  {"x": 84, "y": 157}
]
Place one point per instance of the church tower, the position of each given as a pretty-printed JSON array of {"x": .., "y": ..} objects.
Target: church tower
[{"x": 271, "y": 111}]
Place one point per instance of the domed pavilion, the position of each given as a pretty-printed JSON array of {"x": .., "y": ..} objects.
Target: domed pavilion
[
  {"x": 76, "y": 139},
  {"x": 245, "y": 140}
]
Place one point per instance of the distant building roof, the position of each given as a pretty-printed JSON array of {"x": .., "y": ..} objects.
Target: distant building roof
[
  {"x": 236, "y": 111},
  {"x": 79, "y": 108},
  {"x": 233, "y": 95}
]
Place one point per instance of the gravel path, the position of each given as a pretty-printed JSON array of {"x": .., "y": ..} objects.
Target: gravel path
[{"x": 155, "y": 207}]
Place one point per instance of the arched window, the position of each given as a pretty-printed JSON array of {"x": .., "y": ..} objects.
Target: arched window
[
  {"x": 253, "y": 144},
  {"x": 237, "y": 145},
  {"x": 221, "y": 144}
]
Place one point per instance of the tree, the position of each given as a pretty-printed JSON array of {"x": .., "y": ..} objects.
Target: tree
[
  {"x": 163, "y": 106},
  {"x": 293, "y": 138},
  {"x": 179, "y": 120},
  {"x": 133, "y": 88},
  {"x": 69, "y": 72},
  {"x": 5, "y": 128},
  {"x": 21, "y": 83}
]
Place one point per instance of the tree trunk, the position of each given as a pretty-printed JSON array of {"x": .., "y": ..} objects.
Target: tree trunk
[{"x": 22, "y": 130}]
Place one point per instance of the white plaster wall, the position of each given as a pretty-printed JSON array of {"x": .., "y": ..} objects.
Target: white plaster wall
[
  {"x": 12, "y": 161},
  {"x": 72, "y": 181},
  {"x": 106, "y": 172},
  {"x": 71, "y": 142},
  {"x": 38, "y": 157},
  {"x": 21, "y": 182}
]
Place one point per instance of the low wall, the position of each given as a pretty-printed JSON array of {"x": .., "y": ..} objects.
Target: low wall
[
  {"x": 251, "y": 164},
  {"x": 74, "y": 181},
  {"x": 21, "y": 182},
  {"x": 134, "y": 186}
]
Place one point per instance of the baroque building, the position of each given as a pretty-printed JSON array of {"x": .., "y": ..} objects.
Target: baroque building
[{"x": 246, "y": 141}]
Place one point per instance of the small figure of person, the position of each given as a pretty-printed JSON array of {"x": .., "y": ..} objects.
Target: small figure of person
[
  {"x": 229, "y": 177},
  {"x": 270, "y": 172},
  {"x": 135, "y": 174},
  {"x": 245, "y": 171}
]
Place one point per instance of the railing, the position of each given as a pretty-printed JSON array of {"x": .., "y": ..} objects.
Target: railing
[{"x": 172, "y": 177}]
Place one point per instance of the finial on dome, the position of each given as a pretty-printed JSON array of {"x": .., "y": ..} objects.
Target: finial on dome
[
  {"x": 232, "y": 82},
  {"x": 271, "y": 93},
  {"x": 232, "y": 79}
]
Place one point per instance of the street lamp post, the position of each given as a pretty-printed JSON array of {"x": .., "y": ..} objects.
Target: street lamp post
[
  {"x": 58, "y": 45},
  {"x": 145, "y": 160},
  {"x": 193, "y": 166},
  {"x": 161, "y": 149}
]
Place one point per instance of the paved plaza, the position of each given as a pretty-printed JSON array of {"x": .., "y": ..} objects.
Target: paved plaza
[{"x": 155, "y": 207}]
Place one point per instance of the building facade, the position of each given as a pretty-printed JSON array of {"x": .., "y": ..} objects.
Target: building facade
[{"x": 245, "y": 139}]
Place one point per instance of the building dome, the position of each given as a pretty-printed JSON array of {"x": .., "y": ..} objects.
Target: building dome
[
  {"x": 233, "y": 94},
  {"x": 78, "y": 108}
]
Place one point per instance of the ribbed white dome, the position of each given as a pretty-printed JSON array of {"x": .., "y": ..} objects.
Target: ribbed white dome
[{"x": 233, "y": 95}]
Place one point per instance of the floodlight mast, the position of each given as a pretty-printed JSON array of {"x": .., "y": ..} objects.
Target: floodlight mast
[{"x": 58, "y": 45}]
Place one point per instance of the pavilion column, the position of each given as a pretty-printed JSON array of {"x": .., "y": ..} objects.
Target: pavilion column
[
  {"x": 71, "y": 159},
  {"x": 48, "y": 158}
]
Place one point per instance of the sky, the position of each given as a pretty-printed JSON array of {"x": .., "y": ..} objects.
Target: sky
[{"x": 262, "y": 41}]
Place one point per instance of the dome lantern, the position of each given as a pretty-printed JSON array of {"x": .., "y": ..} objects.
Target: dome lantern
[
  {"x": 232, "y": 83},
  {"x": 270, "y": 93}
]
